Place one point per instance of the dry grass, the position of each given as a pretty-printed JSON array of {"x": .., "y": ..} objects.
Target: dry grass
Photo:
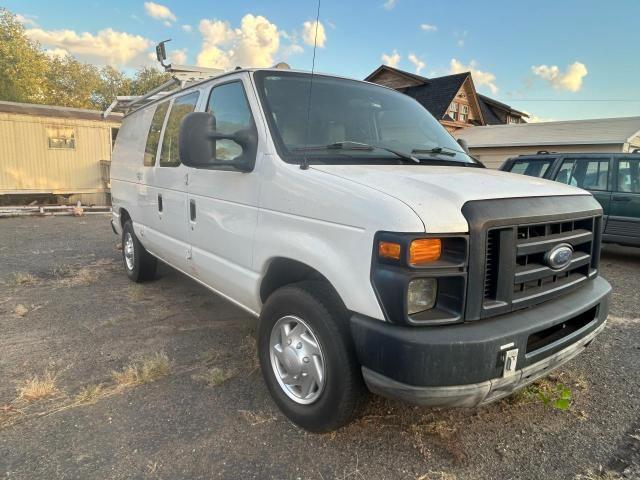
[
  {"x": 437, "y": 476},
  {"x": 249, "y": 351},
  {"x": 38, "y": 387},
  {"x": 256, "y": 418},
  {"x": 21, "y": 279},
  {"x": 137, "y": 293},
  {"x": 147, "y": 370},
  {"x": 20, "y": 311},
  {"x": 600, "y": 474},
  {"x": 69, "y": 276},
  {"x": 216, "y": 376},
  {"x": 89, "y": 394},
  {"x": 428, "y": 433}
]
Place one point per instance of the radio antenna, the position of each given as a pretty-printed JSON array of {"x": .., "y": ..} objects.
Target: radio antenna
[{"x": 305, "y": 161}]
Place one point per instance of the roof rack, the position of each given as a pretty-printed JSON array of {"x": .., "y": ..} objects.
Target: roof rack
[{"x": 181, "y": 77}]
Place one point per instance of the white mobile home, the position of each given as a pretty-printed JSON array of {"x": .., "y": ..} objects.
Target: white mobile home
[{"x": 54, "y": 153}]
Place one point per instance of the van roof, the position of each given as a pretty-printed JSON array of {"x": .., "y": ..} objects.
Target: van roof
[{"x": 127, "y": 102}]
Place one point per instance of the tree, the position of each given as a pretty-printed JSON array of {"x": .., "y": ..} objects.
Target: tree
[
  {"x": 29, "y": 75},
  {"x": 148, "y": 78},
  {"x": 22, "y": 64},
  {"x": 112, "y": 83},
  {"x": 71, "y": 83}
]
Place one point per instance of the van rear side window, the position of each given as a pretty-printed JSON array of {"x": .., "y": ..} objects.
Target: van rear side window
[
  {"x": 169, "y": 156},
  {"x": 154, "y": 134}
]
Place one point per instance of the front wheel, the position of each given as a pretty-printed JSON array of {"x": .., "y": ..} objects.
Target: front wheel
[
  {"x": 307, "y": 358},
  {"x": 139, "y": 264}
]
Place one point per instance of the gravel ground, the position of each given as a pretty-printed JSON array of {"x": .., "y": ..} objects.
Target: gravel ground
[{"x": 194, "y": 405}]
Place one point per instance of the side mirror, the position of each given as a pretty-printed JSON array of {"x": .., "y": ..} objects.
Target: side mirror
[
  {"x": 465, "y": 146},
  {"x": 198, "y": 138}
]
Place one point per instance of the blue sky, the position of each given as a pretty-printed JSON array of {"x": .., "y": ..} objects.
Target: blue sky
[{"x": 555, "y": 59}]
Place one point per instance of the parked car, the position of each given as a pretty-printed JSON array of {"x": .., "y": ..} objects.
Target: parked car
[
  {"x": 374, "y": 250},
  {"x": 612, "y": 178}
]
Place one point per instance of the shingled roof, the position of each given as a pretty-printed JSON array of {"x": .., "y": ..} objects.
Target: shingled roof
[
  {"x": 410, "y": 75},
  {"x": 437, "y": 95},
  {"x": 490, "y": 118}
]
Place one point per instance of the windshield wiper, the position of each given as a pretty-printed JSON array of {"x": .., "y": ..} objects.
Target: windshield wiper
[
  {"x": 358, "y": 146},
  {"x": 434, "y": 151}
]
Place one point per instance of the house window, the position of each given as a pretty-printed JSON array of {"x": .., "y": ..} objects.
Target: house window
[
  {"x": 61, "y": 138},
  {"x": 453, "y": 111},
  {"x": 464, "y": 113},
  {"x": 513, "y": 119}
]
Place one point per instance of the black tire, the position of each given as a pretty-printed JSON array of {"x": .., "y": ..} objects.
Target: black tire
[
  {"x": 319, "y": 306},
  {"x": 144, "y": 265}
]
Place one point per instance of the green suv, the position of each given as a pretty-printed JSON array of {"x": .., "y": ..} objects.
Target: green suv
[{"x": 612, "y": 178}]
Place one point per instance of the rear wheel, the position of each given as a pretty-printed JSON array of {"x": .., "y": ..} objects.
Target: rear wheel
[
  {"x": 139, "y": 264},
  {"x": 307, "y": 357}
]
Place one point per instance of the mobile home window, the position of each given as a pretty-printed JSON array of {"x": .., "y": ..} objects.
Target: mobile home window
[
  {"x": 154, "y": 134},
  {"x": 169, "y": 155},
  {"x": 61, "y": 138}
]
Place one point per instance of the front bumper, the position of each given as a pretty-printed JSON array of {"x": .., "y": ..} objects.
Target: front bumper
[{"x": 463, "y": 365}]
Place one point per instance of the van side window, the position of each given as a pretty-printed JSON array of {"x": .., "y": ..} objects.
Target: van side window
[
  {"x": 154, "y": 134},
  {"x": 629, "y": 176},
  {"x": 229, "y": 105},
  {"x": 592, "y": 174},
  {"x": 169, "y": 155}
]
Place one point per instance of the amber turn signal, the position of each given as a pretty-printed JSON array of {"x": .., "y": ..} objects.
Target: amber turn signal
[
  {"x": 389, "y": 250},
  {"x": 425, "y": 250}
]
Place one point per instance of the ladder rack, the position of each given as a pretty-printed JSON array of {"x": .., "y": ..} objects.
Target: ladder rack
[{"x": 181, "y": 77}]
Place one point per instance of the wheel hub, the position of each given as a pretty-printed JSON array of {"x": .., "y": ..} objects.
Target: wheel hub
[
  {"x": 297, "y": 360},
  {"x": 129, "y": 250}
]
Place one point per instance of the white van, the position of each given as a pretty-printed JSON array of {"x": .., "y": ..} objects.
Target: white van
[{"x": 374, "y": 250}]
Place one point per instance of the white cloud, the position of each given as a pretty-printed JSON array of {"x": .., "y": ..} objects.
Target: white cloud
[
  {"x": 571, "y": 79},
  {"x": 390, "y": 4},
  {"x": 428, "y": 28},
  {"x": 187, "y": 28},
  {"x": 486, "y": 79},
  {"x": 392, "y": 60},
  {"x": 56, "y": 53},
  {"x": 292, "y": 49},
  {"x": 309, "y": 33},
  {"x": 27, "y": 20},
  {"x": 419, "y": 64},
  {"x": 107, "y": 46},
  {"x": 462, "y": 37},
  {"x": 254, "y": 44},
  {"x": 159, "y": 12},
  {"x": 179, "y": 57},
  {"x": 537, "y": 119}
]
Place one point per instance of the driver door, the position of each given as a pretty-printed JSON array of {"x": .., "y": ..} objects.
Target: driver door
[{"x": 223, "y": 201}]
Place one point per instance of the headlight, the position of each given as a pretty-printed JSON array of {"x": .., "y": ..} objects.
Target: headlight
[{"x": 421, "y": 295}]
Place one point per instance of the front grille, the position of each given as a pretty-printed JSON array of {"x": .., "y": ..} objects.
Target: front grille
[{"x": 516, "y": 274}]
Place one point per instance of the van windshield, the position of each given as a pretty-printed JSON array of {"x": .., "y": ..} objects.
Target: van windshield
[{"x": 346, "y": 121}]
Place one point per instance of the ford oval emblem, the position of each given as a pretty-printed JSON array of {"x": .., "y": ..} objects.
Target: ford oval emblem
[{"x": 559, "y": 256}]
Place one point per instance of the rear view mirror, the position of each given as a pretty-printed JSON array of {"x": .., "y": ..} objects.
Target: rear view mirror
[{"x": 198, "y": 138}]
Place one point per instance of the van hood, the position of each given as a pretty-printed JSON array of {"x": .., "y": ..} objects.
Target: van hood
[{"x": 437, "y": 193}]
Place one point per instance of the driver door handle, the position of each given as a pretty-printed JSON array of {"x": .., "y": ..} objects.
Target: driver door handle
[
  {"x": 621, "y": 199},
  {"x": 192, "y": 210}
]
